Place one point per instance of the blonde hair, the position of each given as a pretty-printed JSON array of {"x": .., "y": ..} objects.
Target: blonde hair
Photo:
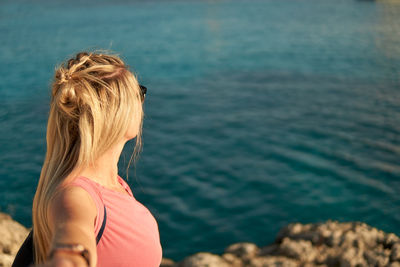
[{"x": 94, "y": 98}]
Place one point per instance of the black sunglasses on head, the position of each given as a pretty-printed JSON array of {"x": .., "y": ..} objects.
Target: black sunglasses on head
[{"x": 143, "y": 91}]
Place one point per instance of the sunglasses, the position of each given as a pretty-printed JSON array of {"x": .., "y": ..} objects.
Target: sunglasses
[{"x": 143, "y": 91}]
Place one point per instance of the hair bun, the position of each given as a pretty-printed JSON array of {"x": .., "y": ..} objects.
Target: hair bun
[
  {"x": 69, "y": 101},
  {"x": 86, "y": 80}
]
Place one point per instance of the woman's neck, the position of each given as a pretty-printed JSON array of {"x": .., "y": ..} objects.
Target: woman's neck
[{"x": 105, "y": 169}]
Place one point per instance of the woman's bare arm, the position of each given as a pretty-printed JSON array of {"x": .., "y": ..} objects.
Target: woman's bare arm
[{"x": 71, "y": 217}]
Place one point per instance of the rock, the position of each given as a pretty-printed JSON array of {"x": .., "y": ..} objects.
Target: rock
[
  {"x": 269, "y": 250},
  {"x": 204, "y": 259},
  {"x": 334, "y": 238},
  {"x": 273, "y": 261},
  {"x": 301, "y": 250},
  {"x": 347, "y": 239},
  {"x": 365, "y": 233},
  {"x": 389, "y": 240},
  {"x": 377, "y": 258},
  {"x": 336, "y": 244},
  {"x": 298, "y": 231},
  {"x": 351, "y": 257},
  {"x": 232, "y": 260},
  {"x": 12, "y": 235},
  {"x": 165, "y": 262},
  {"x": 6, "y": 260},
  {"x": 243, "y": 250},
  {"x": 327, "y": 244},
  {"x": 395, "y": 255}
]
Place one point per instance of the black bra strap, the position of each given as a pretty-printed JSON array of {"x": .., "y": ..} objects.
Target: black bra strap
[
  {"x": 103, "y": 225},
  {"x": 25, "y": 253}
]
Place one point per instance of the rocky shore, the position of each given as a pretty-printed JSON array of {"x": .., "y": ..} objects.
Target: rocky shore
[{"x": 330, "y": 244}]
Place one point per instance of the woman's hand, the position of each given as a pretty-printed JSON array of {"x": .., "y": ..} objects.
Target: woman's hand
[
  {"x": 56, "y": 263},
  {"x": 62, "y": 259}
]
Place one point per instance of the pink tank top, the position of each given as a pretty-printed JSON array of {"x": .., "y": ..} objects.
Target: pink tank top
[{"x": 131, "y": 237}]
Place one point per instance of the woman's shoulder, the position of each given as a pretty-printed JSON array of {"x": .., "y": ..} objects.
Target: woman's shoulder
[
  {"x": 93, "y": 190},
  {"x": 72, "y": 202},
  {"x": 70, "y": 195},
  {"x": 85, "y": 186}
]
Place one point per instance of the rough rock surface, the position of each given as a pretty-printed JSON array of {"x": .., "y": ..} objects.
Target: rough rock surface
[
  {"x": 328, "y": 244},
  {"x": 12, "y": 235}
]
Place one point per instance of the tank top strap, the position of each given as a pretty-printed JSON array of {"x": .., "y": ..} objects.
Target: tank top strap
[
  {"x": 92, "y": 188},
  {"x": 125, "y": 185}
]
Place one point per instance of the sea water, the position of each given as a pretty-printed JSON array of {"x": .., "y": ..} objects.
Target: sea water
[{"x": 258, "y": 113}]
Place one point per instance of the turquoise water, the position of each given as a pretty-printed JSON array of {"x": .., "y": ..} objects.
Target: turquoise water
[{"x": 259, "y": 113}]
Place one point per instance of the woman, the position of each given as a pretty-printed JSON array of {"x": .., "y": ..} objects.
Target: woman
[{"x": 96, "y": 107}]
